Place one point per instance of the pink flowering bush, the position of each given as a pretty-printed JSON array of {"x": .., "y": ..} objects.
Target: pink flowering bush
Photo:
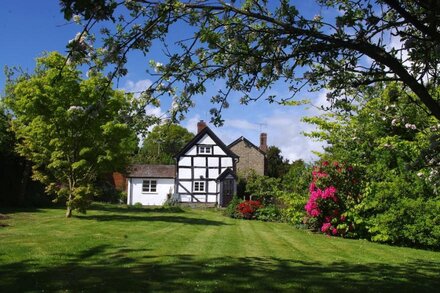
[{"x": 334, "y": 190}]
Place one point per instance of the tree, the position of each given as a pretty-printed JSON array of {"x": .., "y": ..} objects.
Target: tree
[
  {"x": 254, "y": 44},
  {"x": 72, "y": 130},
  {"x": 162, "y": 143},
  {"x": 277, "y": 166},
  {"x": 394, "y": 149}
]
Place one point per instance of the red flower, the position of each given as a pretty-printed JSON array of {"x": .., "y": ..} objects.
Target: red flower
[{"x": 248, "y": 208}]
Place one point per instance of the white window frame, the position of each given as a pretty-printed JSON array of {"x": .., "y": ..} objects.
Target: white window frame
[
  {"x": 197, "y": 186},
  {"x": 205, "y": 150},
  {"x": 150, "y": 186}
]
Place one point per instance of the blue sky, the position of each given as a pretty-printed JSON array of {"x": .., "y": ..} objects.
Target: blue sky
[{"x": 28, "y": 28}]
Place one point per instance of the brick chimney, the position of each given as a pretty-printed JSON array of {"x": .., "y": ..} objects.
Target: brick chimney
[
  {"x": 200, "y": 125},
  {"x": 263, "y": 142}
]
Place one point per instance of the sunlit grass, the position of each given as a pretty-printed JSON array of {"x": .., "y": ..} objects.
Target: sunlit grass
[{"x": 114, "y": 248}]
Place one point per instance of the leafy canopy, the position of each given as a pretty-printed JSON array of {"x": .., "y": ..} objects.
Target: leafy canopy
[
  {"x": 71, "y": 129},
  {"x": 395, "y": 146},
  {"x": 253, "y": 44},
  {"x": 162, "y": 144}
]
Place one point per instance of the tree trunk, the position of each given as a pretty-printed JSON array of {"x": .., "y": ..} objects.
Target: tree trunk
[
  {"x": 24, "y": 182},
  {"x": 69, "y": 212},
  {"x": 69, "y": 208}
]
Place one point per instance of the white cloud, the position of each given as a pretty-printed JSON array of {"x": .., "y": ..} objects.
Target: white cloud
[
  {"x": 240, "y": 124},
  {"x": 285, "y": 131},
  {"x": 191, "y": 124},
  {"x": 136, "y": 87}
]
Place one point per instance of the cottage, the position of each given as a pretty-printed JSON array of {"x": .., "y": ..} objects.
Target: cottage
[
  {"x": 150, "y": 184},
  {"x": 205, "y": 170},
  {"x": 204, "y": 173}
]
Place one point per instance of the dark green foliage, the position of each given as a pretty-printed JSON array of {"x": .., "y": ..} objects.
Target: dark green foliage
[
  {"x": 262, "y": 187},
  {"x": 392, "y": 145},
  {"x": 269, "y": 213},
  {"x": 293, "y": 207},
  {"x": 71, "y": 130},
  {"x": 17, "y": 187},
  {"x": 297, "y": 178},
  {"x": 106, "y": 192},
  {"x": 231, "y": 209},
  {"x": 402, "y": 210},
  {"x": 162, "y": 144},
  {"x": 294, "y": 192},
  {"x": 277, "y": 166}
]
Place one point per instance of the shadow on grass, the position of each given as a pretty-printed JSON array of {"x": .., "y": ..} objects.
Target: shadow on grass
[
  {"x": 13, "y": 210},
  {"x": 131, "y": 209},
  {"x": 106, "y": 268},
  {"x": 150, "y": 218}
]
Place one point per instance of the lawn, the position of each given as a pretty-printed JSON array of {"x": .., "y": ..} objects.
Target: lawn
[{"x": 113, "y": 248}]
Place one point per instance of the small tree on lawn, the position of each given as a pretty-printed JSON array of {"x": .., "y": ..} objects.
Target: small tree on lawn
[{"x": 71, "y": 129}]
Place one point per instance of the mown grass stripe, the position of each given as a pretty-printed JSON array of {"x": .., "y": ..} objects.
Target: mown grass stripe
[{"x": 114, "y": 248}]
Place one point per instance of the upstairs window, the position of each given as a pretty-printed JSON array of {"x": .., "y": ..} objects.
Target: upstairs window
[
  {"x": 149, "y": 186},
  {"x": 205, "y": 150},
  {"x": 199, "y": 186}
]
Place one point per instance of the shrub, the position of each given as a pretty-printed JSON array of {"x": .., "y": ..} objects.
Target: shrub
[
  {"x": 334, "y": 191},
  {"x": 137, "y": 205},
  {"x": 412, "y": 218},
  {"x": 292, "y": 210},
  {"x": 247, "y": 209},
  {"x": 269, "y": 213},
  {"x": 231, "y": 209},
  {"x": 262, "y": 187}
]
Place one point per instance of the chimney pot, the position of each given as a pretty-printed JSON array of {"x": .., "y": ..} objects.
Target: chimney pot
[
  {"x": 263, "y": 142},
  {"x": 200, "y": 125}
]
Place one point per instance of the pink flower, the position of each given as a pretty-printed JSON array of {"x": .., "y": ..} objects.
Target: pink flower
[
  {"x": 329, "y": 192},
  {"x": 343, "y": 218},
  {"x": 334, "y": 231},
  {"x": 325, "y": 227},
  {"x": 325, "y": 163},
  {"x": 312, "y": 187},
  {"x": 315, "y": 213}
]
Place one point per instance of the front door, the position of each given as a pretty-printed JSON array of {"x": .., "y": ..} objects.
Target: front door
[{"x": 227, "y": 191}]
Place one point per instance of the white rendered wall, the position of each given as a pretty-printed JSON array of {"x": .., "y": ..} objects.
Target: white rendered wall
[
  {"x": 200, "y": 161},
  {"x": 185, "y": 173},
  {"x": 163, "y": 188},
  {"x": 206, "y": 139},
  {"x": 227, "y": 162},
  {"x": 213, "y": 173},
  {"x": 185, "y": 161},
  {"x": 218, "y": 151},
  {"x": 199, "y": 172},
  {"x": 213, "y": 162},
  {"x": 192, "y": 151}
]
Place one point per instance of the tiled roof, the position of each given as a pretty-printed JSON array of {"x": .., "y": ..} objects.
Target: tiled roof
[
  {"x": 152, "y": 171},
  {"x": 214, "y": 137}
]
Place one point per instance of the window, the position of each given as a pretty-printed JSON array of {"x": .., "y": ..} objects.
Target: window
[
  {"x": 204, "y": 149},
  {"x": 199, "y": 186},
  {"x": 149, "y": 186}
]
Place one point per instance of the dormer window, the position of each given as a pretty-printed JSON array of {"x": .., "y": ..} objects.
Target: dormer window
[{"x": 205, "y": 150}]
